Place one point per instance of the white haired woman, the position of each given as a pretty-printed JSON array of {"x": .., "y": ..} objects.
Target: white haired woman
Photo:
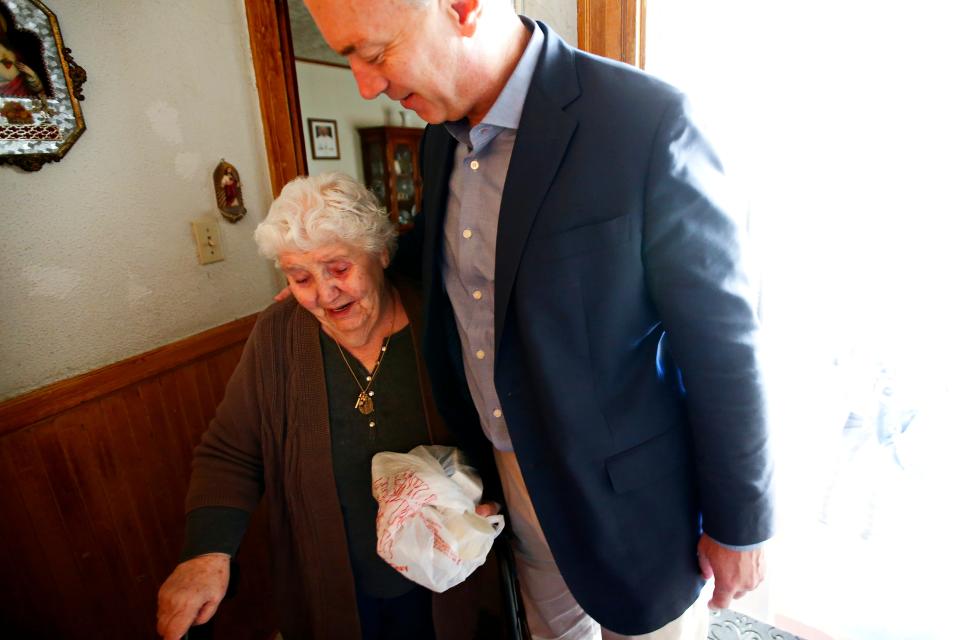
[{"x": 327, "y": 379}]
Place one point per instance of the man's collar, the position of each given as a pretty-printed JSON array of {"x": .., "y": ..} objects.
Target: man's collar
[{"x": 508, "y": 107}]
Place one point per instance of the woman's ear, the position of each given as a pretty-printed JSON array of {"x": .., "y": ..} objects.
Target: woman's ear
[{"x": 384, "y": 258}]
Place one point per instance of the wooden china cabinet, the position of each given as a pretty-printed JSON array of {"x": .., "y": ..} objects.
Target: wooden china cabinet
[{"x": 391, "y": 170}]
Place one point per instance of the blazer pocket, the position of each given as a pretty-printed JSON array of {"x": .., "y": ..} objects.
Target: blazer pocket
[
  {"x": 649, "y": 461},
  {"x": 582, "y": 239}
]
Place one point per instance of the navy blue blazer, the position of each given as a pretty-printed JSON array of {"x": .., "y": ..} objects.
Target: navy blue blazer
[{"x": 625, "y": 329}]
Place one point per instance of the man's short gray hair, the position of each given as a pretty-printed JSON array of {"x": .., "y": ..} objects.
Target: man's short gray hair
[{"x": 317, "y": 210}]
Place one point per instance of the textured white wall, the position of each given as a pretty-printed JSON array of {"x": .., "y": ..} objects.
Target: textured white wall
[
  {"x": 96, "y": 256},
  {"x": 330, "y": 93},
  {"x": 561, "y": 15},
  {"x": 97, "y": 261}
]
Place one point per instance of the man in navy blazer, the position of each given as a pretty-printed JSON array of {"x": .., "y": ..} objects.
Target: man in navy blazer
[{"x": 588, "y": 305}]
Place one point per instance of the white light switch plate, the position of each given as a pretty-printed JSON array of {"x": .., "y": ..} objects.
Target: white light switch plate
[{"x": 206, "y": 234}]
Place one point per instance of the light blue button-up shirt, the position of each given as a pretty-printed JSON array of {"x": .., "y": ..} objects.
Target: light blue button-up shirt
[{"x": 470, "y": 232}]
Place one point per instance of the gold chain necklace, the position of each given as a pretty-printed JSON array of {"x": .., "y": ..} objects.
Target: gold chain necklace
[{"x": 364, "y": 403}]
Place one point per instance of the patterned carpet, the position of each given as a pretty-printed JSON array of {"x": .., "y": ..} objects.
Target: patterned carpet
[{"x": 730, "y": 625}]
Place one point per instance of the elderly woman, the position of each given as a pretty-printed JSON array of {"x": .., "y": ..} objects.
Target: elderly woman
[{"x": 327, "y": 379}]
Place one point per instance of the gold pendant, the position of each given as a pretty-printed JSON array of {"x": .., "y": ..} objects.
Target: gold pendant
[{"x": 364, "y": 404}]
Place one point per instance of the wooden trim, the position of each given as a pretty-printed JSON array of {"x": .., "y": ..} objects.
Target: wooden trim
[
  {"x": 613, "y": 28},
  {"x": 290, "y": 79},
  {"x": 271, "y": 46},
  {"x": 38, "y": 405},
  {"x": 642, "y": 35}
]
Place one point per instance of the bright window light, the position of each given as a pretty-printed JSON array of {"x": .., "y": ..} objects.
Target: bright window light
[{"x": 841, "y": 120}]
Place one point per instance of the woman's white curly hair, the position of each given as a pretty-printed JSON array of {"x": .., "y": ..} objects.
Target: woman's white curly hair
[{"x": 317, "y": 210}]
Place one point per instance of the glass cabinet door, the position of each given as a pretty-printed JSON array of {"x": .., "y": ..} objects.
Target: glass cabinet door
[
  {"x": 391, "y": 170},
  {"x": 377, "y": 179},
  {"x": 406, "y": 191}
]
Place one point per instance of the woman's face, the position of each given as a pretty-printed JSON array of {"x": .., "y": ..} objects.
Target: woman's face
[{"x": 342, "y": 286}]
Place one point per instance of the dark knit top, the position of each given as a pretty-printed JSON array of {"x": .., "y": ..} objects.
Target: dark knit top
[{"x": 399, "y": 426}]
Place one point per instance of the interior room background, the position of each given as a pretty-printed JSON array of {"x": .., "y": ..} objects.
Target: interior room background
[{"x": 838, "y": 119}]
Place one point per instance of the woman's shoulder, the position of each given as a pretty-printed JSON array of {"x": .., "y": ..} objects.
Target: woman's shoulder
[
  {"x": 278, "y": 311},
  {"x": 275, "y": 321},
  {"x": 271, "y": 342}
]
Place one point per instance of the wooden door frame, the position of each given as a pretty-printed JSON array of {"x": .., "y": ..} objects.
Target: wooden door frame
[
  {"x": 612, "y": 28},
  {"x": 271, "y": 46}
]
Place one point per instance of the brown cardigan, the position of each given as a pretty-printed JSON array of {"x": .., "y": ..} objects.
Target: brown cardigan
[{"x": 271, "y": 435}]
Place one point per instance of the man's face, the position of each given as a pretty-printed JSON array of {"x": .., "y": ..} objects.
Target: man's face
[{"x": 406, "y": 51}]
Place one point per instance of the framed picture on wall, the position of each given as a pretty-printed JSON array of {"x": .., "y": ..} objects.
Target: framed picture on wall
[
  {"x": 324, "y": 140},
  {"x": 40, "y": 87}
]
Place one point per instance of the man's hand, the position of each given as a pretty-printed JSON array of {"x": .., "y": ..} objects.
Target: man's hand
[
  {"x": 192, "y": 594},
  {"x": 485, "y": 509},
  {"x": 735, "y": 573},
  {"x": 283, "y": 295}
]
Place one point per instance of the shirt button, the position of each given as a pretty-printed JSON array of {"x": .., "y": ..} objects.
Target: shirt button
[
  {"x": 467, "y": 233},
  {"x": 474, "y": 165},
  {"x": 497, "y": 413},
  {"x": 481, "y": 355},
  {"x": 477, "y": 294}
]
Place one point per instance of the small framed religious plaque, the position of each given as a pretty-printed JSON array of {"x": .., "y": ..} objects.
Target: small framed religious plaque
[{"x": 226, "y": 184}]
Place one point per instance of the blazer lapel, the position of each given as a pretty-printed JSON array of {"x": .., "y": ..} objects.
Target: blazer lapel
[
  {"x": 542, "y": 137},
  {"x": 438, "y": 149},
  {"x": 444, "y": 347}
]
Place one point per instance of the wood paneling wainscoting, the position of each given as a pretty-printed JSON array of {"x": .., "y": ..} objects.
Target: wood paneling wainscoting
[{"x": 93, "y": 474}]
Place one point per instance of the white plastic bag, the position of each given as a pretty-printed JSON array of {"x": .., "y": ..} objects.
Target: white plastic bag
[{"x": 427, "y": 528}]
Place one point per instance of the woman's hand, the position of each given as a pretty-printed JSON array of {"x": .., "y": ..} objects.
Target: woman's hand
[
  {"x": 30, "y": 77},
  {"x": 192, "y": 594}
]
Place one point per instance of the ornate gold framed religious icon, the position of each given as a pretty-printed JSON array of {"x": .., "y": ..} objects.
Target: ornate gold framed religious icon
[{"x": 40, "y": 87}]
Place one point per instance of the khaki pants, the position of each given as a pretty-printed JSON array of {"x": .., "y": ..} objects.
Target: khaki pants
[{"x": 552, "y": 613}]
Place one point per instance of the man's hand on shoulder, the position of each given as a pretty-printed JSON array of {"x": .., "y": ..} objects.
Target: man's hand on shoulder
[
  {"x": 283, "y": 295},
  {"x": 735, "y": 573}
]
